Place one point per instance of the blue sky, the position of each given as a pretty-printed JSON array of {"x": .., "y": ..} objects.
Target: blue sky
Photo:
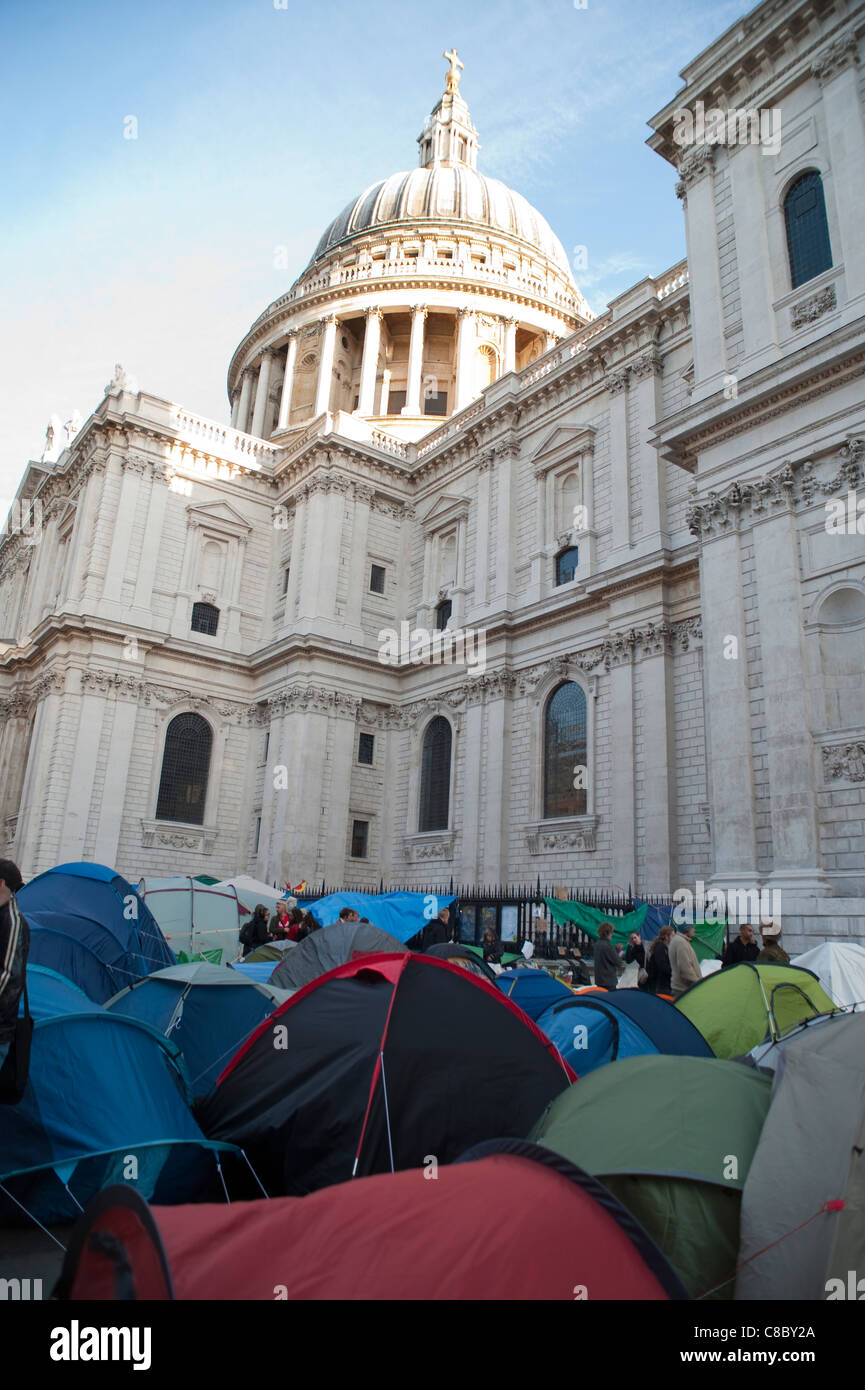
[{"x": 256, "y": 124}]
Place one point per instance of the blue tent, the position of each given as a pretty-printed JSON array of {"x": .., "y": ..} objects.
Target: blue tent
[
  {"x": 50, "y": 994},
  {"x": 401, "y": 914},
  {"x": 206, "y": 1010},
  {"x": 533, "y": 990},
  {"x": 106, "y": 1101},
  {"x": 90, "y": 925},
  {"x": 592, "y": 1029},
  {"x": 259, "y": 970}
]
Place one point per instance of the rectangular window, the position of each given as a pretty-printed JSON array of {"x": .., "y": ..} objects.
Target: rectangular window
[
  {"x": 359, "y": 838},
  {"x": 395, "y": 402},
  {"x": 365, "y": 748},
  {"x": 266, "y": 747},
  {"x": 436, "y": 404},
  {"x": 257, "y": 835},
  {"x": 285, "y": 573},
  {"x": 376, "y": 579}
]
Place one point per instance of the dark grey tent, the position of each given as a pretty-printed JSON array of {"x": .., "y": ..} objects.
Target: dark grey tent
[
  {"x": 331, "y": 946},
  {"x": 810, "y": 1153}
]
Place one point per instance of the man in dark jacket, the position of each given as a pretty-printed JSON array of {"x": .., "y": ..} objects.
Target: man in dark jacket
[
  {"x": 741, "y": 948},
  {"x": 606, "y": 958},
  {"x": 437, "y": 931},
  {"x": 14, "y": 946}
]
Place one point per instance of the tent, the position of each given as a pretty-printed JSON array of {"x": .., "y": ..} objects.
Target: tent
[
  {"x": 840, "y": 968},
  {"x": 592, "y": 1029},
  {"x": 194, "y": 917},
  {"x": 377, "y": 1065},
  {"x": 403, "y": 915},
  {"x": 533, "y": 990},
  {"x": 324, "y": 950},
  {"x": 260, "y": 970},
  {"x": 673, "y": 1139},
  {"x": 89, "y": 924},
  {"x": 106, "y": 1100},
  {"x": 803, "y": 1207},
  {"x": 251, "y": 892},
  {"x": 457, "y": 951},
  {"x": 271, "y": 950},
  {"x": 50, "y": 994},
  {"x": 392, "y": 1237},
  {"x": 738, "y": 1008},
  {"x": 507, "y": 956},
  {"x": 206, "y": 1011}
]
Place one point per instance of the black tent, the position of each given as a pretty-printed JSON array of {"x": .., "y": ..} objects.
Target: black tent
[
  {"x": 386, "y": 1063},
  {"x": 324, "y": 950},
  {"x": 454, "y": 950}
]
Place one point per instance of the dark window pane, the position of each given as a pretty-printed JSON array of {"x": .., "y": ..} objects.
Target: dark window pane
[
  {"x": 564, "y": 750},
  {"x": 366, "y": 746},
  {"x": 443, "y": 614},
  {"x": 257, "y": 834},
  {"x": 359, "y": 837},
  {"x": 395, "y": 402},
  {"x": 376, "y": 579},
  {"x": 435, "y": 776},
  {"x": 266, "y": 746},
  {"x": 285, "y": 573},
  {"x": 185, "y": 768},
  {"x": 436, "y": 404},
  {"x": 807, "y": 229},
  {"x": 566, "y": 564},
  {"x": 205, "y": 618}
]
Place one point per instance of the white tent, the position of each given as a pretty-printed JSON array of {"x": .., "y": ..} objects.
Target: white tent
[
  {"x": 251, "y": 892},
  {"x": 840, "y": 968},
  {"x": 194, "y": 916}
]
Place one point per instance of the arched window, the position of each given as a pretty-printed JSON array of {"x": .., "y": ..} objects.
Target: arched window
[
  {"x": 185, "y": 769},
  {"x": 565, "y": 750},
  {"x": 205, "y": 618},
  {"x": 570, "y": 497},
  {"x": 808, "y": 244},
  {"x": 435, "y": 776},
  {"x": 566, "y": 564},
  {"x": 443, "y": 614}
]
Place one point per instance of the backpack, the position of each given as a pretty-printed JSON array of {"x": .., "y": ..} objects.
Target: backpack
[{"x": 246, "y": 933}]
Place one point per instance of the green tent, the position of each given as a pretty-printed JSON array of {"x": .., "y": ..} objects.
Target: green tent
[
  {"x": 479, "y": 951},
  {"x": 673, "y": 1139},
  {"x": 213, "y": 957},
  {"x": 739, "y": 1008}
]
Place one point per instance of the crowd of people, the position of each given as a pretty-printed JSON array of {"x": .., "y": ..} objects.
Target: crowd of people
[{"x": 669, "y": 964}]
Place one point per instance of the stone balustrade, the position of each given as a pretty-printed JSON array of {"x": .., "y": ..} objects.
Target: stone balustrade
[{"x": 224, "y": 441}]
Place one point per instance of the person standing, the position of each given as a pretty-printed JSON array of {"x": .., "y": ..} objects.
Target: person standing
[
  {"x": 659, "y": 969},
  {"x": 257, "y": 931},
  {"x": 15, "y": 1033},
  {"x": 683, "y": 961},
  {"x": 606, "y": 958},
  {"x": 773, "y": 952},
  {"x": 741, "y": 948},
  {"x": 436, "y": 931}
]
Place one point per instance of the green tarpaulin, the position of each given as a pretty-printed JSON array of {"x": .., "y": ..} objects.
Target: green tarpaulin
[
  {"x": 479, "y": 951},
  {"x": 212, "y": 957},
  {"x": 588, "y": 919}
]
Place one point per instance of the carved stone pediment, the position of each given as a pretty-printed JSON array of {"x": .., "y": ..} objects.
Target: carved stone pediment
[{"x": 575, "y": 834}]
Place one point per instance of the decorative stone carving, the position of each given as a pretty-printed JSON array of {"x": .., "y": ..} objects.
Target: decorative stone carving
[
  {"x": 694, "y": 164},
  {"x": 648, "y": 363},
  {"x": 616, "y": 382},
  {"x": 576, "y": 834},
  {"x": 786, "y": 486},
  {"x": 841, "y": 53},
  {"x": 120, "y": 382},
  {"x": 196, "y": 839},
  {"x": 50, "y": 684},
  {"x": 844, "y": 761},
  {"x": 419, "y": 848},
  {"x": 111, "y": 683},
  {"x": 807, "y": 310}
]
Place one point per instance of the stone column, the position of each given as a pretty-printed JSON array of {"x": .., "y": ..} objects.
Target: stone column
[
  {"x": 787, "y": 710},
  {"x": 617, "y": 385},
  {"x": 336, "y": 846},
  {"x": 261, "y": 394},
  {"x": 369, "y": 363},
  {"x": 44, "y": 783},
  {"x": 623, "y": 828},
  {"x": 362, "y": 505},
  {"x": 707, "y": 315},
  {"x": 300, "y": 847},
  {"x": 747, "y": 164},
  {"x": 126, "y": 519},
  {"x": 647, "y": 384},
  {"x": 235, "y": 408},
  {"x": 325, "y": 366},
  {"x": 415, "y": 362},
  {"x": 728, "y": 715},
  {"x": 298, "y": 535},
  {"x": 497, "y": 788},
  {"x": 287, "y": 383},
  {"x": 659, "y": 770},
  {"x": 113, "y": 799},
  {"x": 845, "y": 126},
  {"x": 84, "y": 754},
  {"x": 465, "y": 349},
  {"x": 153, "y": 530},
  {"x": 483, "y": 473},
  {"x": 510, "y": 362},
  {"x": 473, "y": 792},
  {"x": 506, "y": 463},
  {"x": 550, "y": 341},
  {"x": 243, "y": 408}
]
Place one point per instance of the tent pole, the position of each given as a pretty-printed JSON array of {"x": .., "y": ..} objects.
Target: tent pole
[
  {"x": 71, "y": 1194},
  {"x": 221, "y": 1177},
  {"x": 32, "y": 1217}
]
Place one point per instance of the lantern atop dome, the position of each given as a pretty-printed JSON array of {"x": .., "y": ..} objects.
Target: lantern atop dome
[{"x": 448, "y": 136}]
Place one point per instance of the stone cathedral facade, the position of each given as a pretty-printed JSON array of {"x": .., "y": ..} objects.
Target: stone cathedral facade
[{"x": 631, "y": 514}]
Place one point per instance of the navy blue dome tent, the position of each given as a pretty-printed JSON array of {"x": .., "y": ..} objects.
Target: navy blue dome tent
[
  {"x": 87, "y": 923},
  {"x": 591, "y": 1029}
]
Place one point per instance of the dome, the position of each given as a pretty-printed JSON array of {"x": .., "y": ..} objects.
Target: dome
[{"x": 445, "y": 193}]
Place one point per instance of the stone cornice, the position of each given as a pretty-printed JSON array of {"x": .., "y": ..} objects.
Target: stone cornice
[
  {"x": 841, "y": 53},
  {"x": 782, "y": 488}
]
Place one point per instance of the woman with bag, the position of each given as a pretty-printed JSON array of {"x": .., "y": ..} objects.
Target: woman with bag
[{"x": 659, "y": 970}]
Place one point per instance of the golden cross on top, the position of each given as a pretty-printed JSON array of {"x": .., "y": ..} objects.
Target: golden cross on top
[{"x": 453, "y": 71}]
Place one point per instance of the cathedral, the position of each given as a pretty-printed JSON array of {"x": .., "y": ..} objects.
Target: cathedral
[{"x": 476, "y": 585}]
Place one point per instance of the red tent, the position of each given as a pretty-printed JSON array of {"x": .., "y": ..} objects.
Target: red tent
[{"x": 515, "y": 1222}]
